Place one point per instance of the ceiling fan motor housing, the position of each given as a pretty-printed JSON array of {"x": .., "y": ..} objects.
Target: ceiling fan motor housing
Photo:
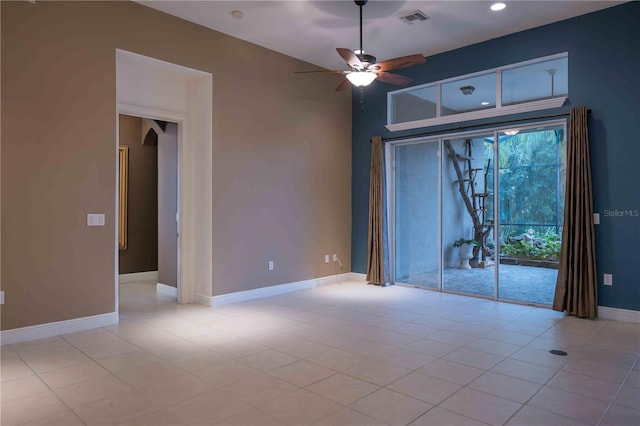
[{"x": 367, "y": 60}]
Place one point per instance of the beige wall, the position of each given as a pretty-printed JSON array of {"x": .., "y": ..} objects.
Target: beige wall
[
  {"x": 281, "y": 156},
  {"x": 141, "y": 254},
  {"x": 168, "y": 206}
]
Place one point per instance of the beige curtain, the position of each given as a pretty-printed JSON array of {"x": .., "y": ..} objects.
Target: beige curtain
[
  {"x": 576, "y": 287},
  {"x": 377, "y": 257}
]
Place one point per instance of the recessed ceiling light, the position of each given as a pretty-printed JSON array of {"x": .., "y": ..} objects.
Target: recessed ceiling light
[
  {"x": 484, "y": 103},
  {"x": 237, "y": 14},
  {"x": 498, "y": 6}
]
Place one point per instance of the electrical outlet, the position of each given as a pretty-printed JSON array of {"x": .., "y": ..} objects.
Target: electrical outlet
[
  {"x": 271, "y": 265},
  {"x": 608, "y": 279},
  {"x": 326, "y": 258}
]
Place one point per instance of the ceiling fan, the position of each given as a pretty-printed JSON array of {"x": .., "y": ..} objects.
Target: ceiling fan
[{"x": 363, "y": 68}]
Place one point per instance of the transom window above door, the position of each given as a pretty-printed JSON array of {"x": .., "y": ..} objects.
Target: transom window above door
[{"x": 533, "y": 85}]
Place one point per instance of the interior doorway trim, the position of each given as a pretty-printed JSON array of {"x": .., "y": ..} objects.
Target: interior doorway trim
[{"x": 155, "y": 89}]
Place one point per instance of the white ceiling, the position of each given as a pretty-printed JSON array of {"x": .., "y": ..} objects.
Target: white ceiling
[{"x": 311, "y": 30}]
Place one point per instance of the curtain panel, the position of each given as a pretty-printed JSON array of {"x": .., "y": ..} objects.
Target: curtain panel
[
  {"x": 378, "y": 253},
  {"x": 576, "y": 287}
]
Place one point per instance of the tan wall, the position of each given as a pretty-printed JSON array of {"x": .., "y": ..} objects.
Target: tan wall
[
  {"x": 141, "y": 254},
  {"x": 281, "y": 156},
  {"x": 168, "y": 206}
]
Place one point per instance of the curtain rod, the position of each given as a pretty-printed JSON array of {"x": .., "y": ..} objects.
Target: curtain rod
[{"x": 448, "y": 130}]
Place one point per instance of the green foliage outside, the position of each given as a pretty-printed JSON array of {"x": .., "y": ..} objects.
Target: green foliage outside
[
  {"x": 531, "y": 167},
  {"x": 545, "y": 247}
]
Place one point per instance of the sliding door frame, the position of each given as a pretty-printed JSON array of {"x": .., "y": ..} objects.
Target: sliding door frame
[{"x": 390, "y": 147}]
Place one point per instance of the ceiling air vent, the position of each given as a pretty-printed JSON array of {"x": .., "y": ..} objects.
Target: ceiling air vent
[{"x": 416, "y": 16}]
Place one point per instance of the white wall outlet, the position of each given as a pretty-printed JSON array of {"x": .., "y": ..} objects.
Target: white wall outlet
[
  {"x": 596, "y": 218},
  {"x": 335, "y": 257},
  {"x": 326, "y": 258},
  {"x": 2, "y": 297},
  {"x": 271, "y": 265},
  {"x": 608, "y": 279},
  {"x": 95, "y": 219}
]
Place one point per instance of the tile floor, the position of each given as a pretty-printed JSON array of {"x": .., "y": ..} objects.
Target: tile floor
[{"x": 341, "y": 354}]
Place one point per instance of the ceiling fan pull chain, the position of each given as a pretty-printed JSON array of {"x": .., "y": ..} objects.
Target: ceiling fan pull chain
[{"x": 361, "y": 97}]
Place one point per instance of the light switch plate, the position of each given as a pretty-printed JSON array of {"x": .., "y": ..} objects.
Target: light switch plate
[
  {"x": 95, "y": 219},
  {"x": 2, "y": 297},
  {"x": 596, "y": 218}
]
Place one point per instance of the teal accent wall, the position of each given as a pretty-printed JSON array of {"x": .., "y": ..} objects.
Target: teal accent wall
[{"x": 604, "y": 75}]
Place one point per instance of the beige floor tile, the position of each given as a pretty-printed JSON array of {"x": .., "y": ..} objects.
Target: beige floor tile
[
  {"x": 423, "y": 387},
  {"x": 173, "y": 349},
  {"x": 338, "y": 360},
  {"x": 64, "y": 418},
  {"x": 407, "y": 359},
  {"x": 128, "y": 361},
  {"x": 451, "y": 371},
  {"x": 452, "y": 338},
  {"x": 440, "y": 416},
  {"x": 587, "y": 410},
  {"x": 72, "y": 375},
  {"x": 226, "y": 373},
  {"x": 391, "y": 407},
  {"x": 430, "y": 347},
  {"x": 23, "y": 387},
  {"x": 53, "y": 361},
  {"x": 481, "y": 406},
  {"x": 597, "y": 370},
  {"x": 237, "y": 349},
  {"x": 91, "y": 390},
  {"x": 113, "y": 348},
  {"x": 251, "y": 416},
  {"x": 508, "y": 337},
  {"x": 621, "y": 416},
  {"x": 473, "y": 358},
  {"x": 298, "y": 408},
  {"x": 149, "y": 374},
  {"x": 583, "y": 385},
  {"x": 260, "y": 387},
  {"x": 348, "y": 417},
  {"x": 12, "y": 367},
  {"x": 525, "y": 371},
  {"x": 197, "y": 359},
  {"x": 174, "y": 390},
  {"x": 303, "y": 348},
  {"x": 505, "y": 386},
  {"x": 493, "y": 347},
  {"x": 629, "y": 397},
  {"x": 529, "y": 416},
  {"x": 540, "y": 357},
  {"x": 302, "y": 373},
  {"x": 342, "y": 389},
  {"x": 377, "y": 372},
  {"x": 31, "y": 408},
  {"x": 115, "y": 409},
  {"x": 95, "y": 337},
  {"x": 268, "y": 360}
]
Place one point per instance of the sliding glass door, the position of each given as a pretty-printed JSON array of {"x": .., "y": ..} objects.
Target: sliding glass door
[
  {"x": 480, "y": 213},
  {"x": 467, "y": 215},
  {"x": 416, "y": 214}
]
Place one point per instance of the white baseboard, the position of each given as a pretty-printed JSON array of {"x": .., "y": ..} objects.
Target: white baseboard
[
  {"x": 167, "y": 290},
  {"x": 138, "y": 276},
  {"x": 617, "y": 314},
  {"x": 258, "y": 293},
  {"x": 51, "y": 329},
  {"x": 356, "y": 276}
]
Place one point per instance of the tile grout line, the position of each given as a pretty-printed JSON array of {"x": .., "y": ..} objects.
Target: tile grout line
[{"x": 615, "y": 396}]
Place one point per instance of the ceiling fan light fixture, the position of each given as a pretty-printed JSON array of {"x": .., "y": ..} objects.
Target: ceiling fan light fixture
[
  {"x": 511, "y": 132},
  {"x": 361, "y": 78},
  {"x": 498, "y": 6}
]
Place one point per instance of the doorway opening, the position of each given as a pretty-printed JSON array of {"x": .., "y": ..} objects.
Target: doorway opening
[
  {"x": 148, "y": 235},
  {"x": 479, "y": 213},
  {"x": 155, "y": 89}
]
